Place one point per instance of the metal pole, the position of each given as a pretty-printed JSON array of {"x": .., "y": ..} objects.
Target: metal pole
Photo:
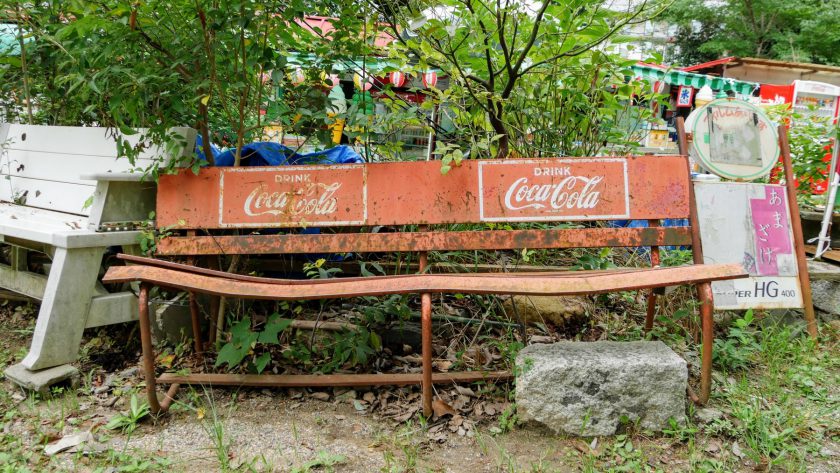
[
  {"x": 651, "y": 298},
  {"x": 798, "y": 239},
  {"x": 196, "y": 323},
  {"x": 707, "y": 320},
  {"x": 194, "y": 312},
  {"x": 426, "y": 335},
  {"x": 704, "y": 290},
  {"x": 824, "y": 238},
  {"x": 148, "y": 349}
]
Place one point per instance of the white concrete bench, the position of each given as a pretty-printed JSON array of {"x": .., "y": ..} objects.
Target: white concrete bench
[{"x": 64, "y": 193}]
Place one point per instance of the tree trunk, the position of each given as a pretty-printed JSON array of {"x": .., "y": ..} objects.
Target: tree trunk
[
  {"x": 495, "y": 117},
  {"x": 203, "y": 128}
]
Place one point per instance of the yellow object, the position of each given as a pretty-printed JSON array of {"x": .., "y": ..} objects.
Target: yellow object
[
  {"x": 337, "y": 128},
  {"x": 658, "y": 139}
]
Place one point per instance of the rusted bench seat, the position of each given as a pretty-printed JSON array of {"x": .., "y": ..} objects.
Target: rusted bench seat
[
  {"x": 189, "y": 278},
  {"x": 347, "y": 201}
]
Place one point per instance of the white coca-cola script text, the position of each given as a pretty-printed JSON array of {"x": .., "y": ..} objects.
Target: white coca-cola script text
[
  {"x": 572, "y": 192},
  {"x": 314, "y": 199}
]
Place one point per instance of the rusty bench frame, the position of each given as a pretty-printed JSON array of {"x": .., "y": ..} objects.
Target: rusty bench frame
[{"x": 179, "y": 198}]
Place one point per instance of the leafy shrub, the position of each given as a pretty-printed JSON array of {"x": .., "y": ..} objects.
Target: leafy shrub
[
  {"x": 737, "y": 351},
  {"x": 243, "y": 340}
]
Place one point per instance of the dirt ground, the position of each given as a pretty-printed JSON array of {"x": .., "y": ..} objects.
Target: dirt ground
[{"x": 337, "y": 430}]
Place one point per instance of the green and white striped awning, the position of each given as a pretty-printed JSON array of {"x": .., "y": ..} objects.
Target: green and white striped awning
[{"x": 676, "y": 77}]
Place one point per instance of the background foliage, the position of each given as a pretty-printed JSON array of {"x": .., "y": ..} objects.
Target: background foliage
[
  {"x": 801, "y": 31},
  {"x": 528, "y": 78}
]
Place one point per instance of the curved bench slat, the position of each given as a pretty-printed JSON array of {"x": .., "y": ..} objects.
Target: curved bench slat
[{"x": 523, "y": 284}]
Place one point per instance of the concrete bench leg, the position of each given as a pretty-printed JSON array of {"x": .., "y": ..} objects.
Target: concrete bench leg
[{"x": 62, "y": 317}]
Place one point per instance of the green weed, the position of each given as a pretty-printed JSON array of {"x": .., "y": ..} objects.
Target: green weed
[
  {"x": 323, "y": 460},
  {"x": 128, "y": 422},
  {"x": 738, "y": 349}
]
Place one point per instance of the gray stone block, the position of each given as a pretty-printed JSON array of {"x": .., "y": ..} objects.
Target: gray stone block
[
  {"x": 826, "y": 296},
  {"x": 586, "y": 388},
  {"x": 41, "y": 380}
]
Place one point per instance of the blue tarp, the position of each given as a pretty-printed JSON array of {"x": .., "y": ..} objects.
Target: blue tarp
[
  {"x": 266, "y": 153},
  {"x": 668, "y": 222}
]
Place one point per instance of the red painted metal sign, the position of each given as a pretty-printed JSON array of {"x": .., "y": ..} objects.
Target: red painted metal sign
[
  {"x": 563, "y": 189},
  {"x": 292, "y": 196},
  {"x": 515, "y": 190}
]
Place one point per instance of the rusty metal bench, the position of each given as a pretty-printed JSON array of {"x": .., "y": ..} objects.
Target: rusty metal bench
[{"x": 347, "y": 200}]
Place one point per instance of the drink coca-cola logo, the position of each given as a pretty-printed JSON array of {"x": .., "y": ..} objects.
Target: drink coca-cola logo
[
  {"x": 570, "y": 189},
  {"x": 579, "y": 192},
  {"x": 313, "y": 199},
  {"x": 293, "y": 197}
]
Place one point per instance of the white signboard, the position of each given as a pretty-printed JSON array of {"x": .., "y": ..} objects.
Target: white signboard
[
  {"x": 733, "y": 139},
  {"x": 749, "y": 224}
]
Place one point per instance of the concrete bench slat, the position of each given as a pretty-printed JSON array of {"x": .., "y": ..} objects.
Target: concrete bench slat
[
  {"x": 45, "y": 194},
  {"x": 90, "y": 141},
  {"x": 63, "y": 167}
]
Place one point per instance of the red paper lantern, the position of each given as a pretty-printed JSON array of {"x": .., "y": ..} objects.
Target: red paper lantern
[
  {"x": 430, "y": 79},
  {"x": 397, "y": 78}
]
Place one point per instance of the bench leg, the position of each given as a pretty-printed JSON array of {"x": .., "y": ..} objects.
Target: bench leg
[
  {"x": 196, "y": 323},
  {"x": 651, "y": 311},
  {"x": 651, "y": 299},
  {"x": 426, "y": 328},
  {"x": 64, "y": 309},
  {"x": 148, "y": 349},
  {"x": 704, "y": 291}
]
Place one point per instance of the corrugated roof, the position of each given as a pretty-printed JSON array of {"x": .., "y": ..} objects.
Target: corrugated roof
[{"x": 737, "y": 61}]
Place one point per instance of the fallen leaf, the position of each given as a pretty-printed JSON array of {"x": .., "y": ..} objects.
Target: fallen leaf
[
  {"x": 406, "y": 415},
  {"x": 441, "y": 408},
  {"x": 166, "y": 360},
  {"x": 321, "y": 396},
  {"x": 460, "y": 403},
  {"x": 736, "y": 450},
  {"x": 465, "y": 391},
  {"x": 713, "y": 447},
  {"x": 68, "y": 442},
  {"x": 410, "y": 359}
]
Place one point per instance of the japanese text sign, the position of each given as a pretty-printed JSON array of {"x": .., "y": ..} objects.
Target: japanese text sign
[{"x": 749, "y": 224}]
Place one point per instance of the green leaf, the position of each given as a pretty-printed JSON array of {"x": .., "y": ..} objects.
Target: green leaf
[
  {"x": 262, "y": 361},
  {"x": 117, "y": 422},
  {"x": 10, "y": 60},
  {"x": 272, "y": 329},
  {"x": 232, "y": 354},
  {"x": 375, "y": 341},
  {"x": 241, "y": 342}
]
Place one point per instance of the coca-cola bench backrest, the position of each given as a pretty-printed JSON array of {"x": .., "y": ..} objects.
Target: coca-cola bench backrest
[{"x": 401, "y": 193}]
